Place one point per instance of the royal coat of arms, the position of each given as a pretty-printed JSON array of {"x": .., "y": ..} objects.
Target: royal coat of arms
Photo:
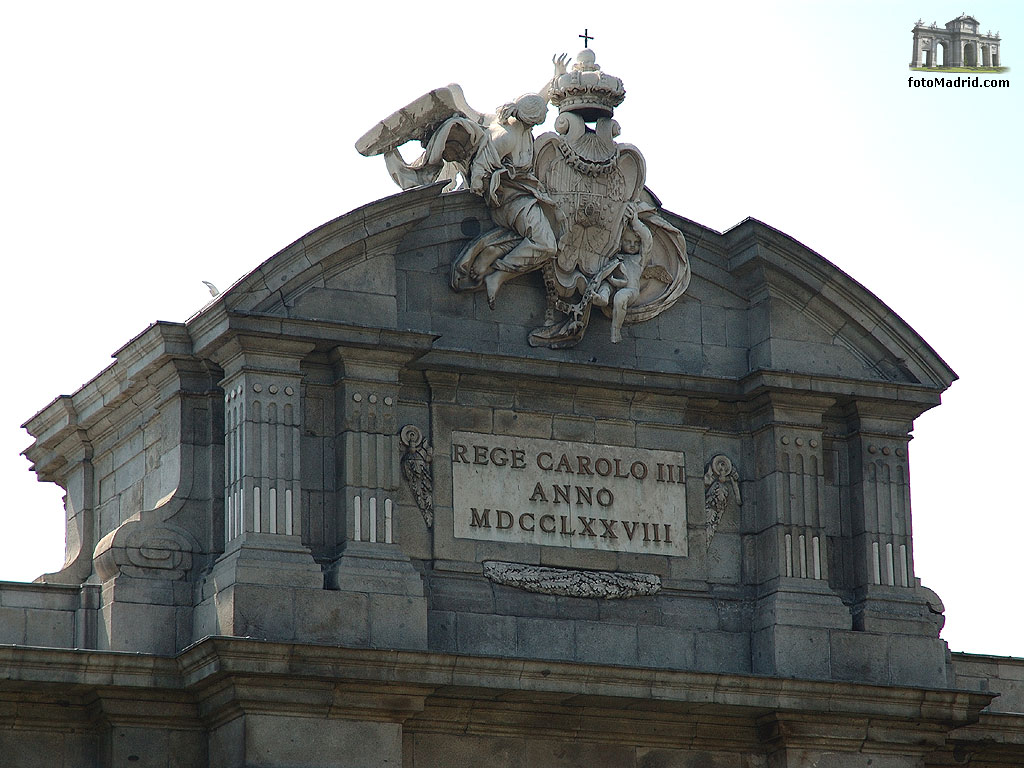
[{"x": 570, "y": 204}]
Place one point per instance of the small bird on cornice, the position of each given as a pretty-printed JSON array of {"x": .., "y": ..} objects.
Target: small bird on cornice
[{"x": 214, "y": 291}]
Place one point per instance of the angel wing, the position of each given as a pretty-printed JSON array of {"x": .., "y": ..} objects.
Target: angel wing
[
  {"x": 417, "y": 121},
  {"x": 449, "y": 130}
]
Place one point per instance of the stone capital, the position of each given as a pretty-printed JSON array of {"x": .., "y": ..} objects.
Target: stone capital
[
  {"x": 882, "y": 419},
  {"x": 244, "y": 352},
  {"x": 795, "y": 409},
  {"x": 370, "y": 364}
]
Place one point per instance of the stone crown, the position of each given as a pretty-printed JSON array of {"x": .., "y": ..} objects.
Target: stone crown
[{"x": 586, "y": 90}]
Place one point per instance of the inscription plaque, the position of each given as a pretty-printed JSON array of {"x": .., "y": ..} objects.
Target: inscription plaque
[{"x": 568, "y": 494}]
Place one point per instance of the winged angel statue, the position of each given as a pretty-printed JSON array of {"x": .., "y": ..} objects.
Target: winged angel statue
[{"x": 570, "y": 204}]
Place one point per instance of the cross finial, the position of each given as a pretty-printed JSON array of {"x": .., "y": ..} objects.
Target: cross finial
[{"x": 586, "y": 37}]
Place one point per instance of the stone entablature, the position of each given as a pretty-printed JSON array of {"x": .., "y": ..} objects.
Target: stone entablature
[{"x": 960, "y": 42}]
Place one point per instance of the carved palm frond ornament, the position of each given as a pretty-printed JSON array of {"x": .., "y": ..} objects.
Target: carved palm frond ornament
[
  {"x": 417, "y": 458},
  {"x": 721, "y": 488}
]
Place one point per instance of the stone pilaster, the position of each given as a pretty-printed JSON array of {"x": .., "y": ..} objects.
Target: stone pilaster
[
  {"x": 250, "y": 590},
  {"x": 367, "y": 433},
  {"x": 262, "y": 433},
  {"x": 796, "y": 608},
  {"x": 888, "y": 595},
  {"x": 370, "y": 561}
]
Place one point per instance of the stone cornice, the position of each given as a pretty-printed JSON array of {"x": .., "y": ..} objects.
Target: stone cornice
[
  {"x": 753, "y": 243},
  {"x": 361, "y": 234},
  {"x": 917, "y": 398},
  {"x": 203, "y": 665},
  {"x": 994, "y": 736},
  {"x": 80, "y": 670},
  {"x": 325, "y": 335},
  {"x": 220, "y": 677},
  {"x": 573, "y": 683},
  {"x": 136, "y": 377}
]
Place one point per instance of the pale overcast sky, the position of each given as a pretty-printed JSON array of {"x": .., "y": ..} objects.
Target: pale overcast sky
[{"x": 147, "y": 147}]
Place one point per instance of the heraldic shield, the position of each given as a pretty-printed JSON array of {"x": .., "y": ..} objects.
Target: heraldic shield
[
  {"x": 612, "y": 253},
  {"x": 612, "y": 248}
]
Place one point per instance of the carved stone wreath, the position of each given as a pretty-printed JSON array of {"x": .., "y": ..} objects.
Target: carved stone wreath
[{"x": 567, "y": 582}]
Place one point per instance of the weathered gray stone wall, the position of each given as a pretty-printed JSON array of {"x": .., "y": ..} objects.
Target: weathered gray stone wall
[
  {"x": 673, "y": 631},
  {"x": 48, "y": 615},
  {"x": 992, "y": 674},
  {"x": 319, "y": 462},
  {"x": 506, "y": 752},
  {"x": 725, "y": 325}
]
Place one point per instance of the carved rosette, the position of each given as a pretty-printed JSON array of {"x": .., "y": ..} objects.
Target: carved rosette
[
  {"x": 721, "y": 488},
  {"x": 567, "y": 582},
  {"x": 417, "y": 461}
]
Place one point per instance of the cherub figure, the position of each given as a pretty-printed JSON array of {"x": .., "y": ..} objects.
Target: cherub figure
[{"x": 634, "y": 255}]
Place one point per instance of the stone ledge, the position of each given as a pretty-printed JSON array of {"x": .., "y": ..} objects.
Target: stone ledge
[
  {"x": 216, "y": 657},
  {"x": 220, "y": 679}
]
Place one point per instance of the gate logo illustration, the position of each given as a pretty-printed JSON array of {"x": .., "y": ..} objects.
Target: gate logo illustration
[{"x": 956, "y": 47}]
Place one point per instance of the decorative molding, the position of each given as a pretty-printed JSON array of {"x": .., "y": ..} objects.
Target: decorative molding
[
  {"x": 568, "y": 582},
  {"x": 143, "y": 547},
  {"x": 721, "y": 483},
  {"x": 417, "y": 460}
]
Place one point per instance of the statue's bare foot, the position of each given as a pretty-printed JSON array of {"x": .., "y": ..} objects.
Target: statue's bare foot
[{"x": 493, "y": 283}]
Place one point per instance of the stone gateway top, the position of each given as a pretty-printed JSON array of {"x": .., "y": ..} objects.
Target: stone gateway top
[{"x": 400, "y": 497}]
